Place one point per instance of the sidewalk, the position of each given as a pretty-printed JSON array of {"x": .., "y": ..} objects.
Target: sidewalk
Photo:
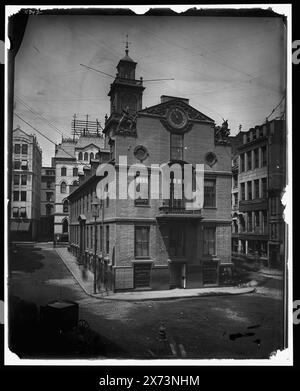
[{"x": 85, "y": 280}]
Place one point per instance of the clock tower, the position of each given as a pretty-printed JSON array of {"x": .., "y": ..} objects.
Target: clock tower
[{"x": 126, "y": 92}]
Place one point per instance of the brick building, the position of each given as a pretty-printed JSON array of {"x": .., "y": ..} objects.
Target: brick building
[
  {"x": 26, "y": 187},
  {"x": 47, "y": 203},
  {"x": 259, "y": 177},
  {"x": 151, "y": 243},
  {"x": 71, "y": 156}
]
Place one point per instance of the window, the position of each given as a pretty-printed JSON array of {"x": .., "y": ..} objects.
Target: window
[
  {"x": 249, "y": 221},
  {"x": 63, "y": 187},
  {"x": 23, "y": 195},
  {"x": 23, "y": 180},
  {"x": 63, "y": 171},
  {"x": 24, "y": 149},
  {"x": 101, "y": 237},
  {"x": 91, "y": 155},
  {"x": 235, "y": 227},
  {"x": 256, "y": 158},
  {"x": 66, "y": 206},
  {"x": 24, "y": 165},
  {"x": 17, "y": 164},
  {"x": 242, "y": 165},
  {"x": 107, "y": 239},
  {"x": 235, "y": 199},
  {"x": 80, "y": 156},
  {"x": 263, "y": 156},
  {"x": 248, "y": 137},
  {"x": 75, "y": 171},
  {"x": 16, "y": 179},
  {"x": 209, "y": 241},
  {"x": 177, "y": 241},
  {"x": 242, "y": 223},
  {"x": 65, "y": 226},
  {"x": 256, "y": 188},
  {"x": 23, "y": 213},
  {"x": 235, "y": 180},
  {"x": 265, "y": 221},
  {"x": 249, "y": 188},
  {"x": 264, "y": 187},
  {"x": 48, "y": 185},
  {"x": 249, "y": 161},
  {"x": 97, "y": 156},
  {"x": 86, "y": 156},
  {"x": 48, "y": 210},
  {"x": 242, "y": 191},
  {"x": 176, "y": 143},
  {"x": 15, "y": 212},
  {"x": 141, "y": 242},
  {"x": 209, "y": 193},
  {"x": 49, "y": 196},
  {"x": 16, "y": 196},
  {"x": 256, "y": 218},
  {"x": 142, "y": 199},
  {"x": 17, "y": 149}
]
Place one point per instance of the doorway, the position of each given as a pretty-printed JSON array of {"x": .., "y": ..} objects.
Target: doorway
[{"x": 177, "y": 275}]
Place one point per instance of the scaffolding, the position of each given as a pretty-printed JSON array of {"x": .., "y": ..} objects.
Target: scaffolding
[{"x": 85, "y": 127}]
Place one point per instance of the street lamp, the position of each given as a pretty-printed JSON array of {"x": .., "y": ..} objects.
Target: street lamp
[{"x": 95, "y": 212}]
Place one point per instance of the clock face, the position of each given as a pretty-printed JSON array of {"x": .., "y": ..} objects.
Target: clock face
[{"x": 177, "y": 118}]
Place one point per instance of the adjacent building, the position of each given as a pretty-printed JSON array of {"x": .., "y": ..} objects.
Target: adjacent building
[
  {"x": 26, "y": 187},
  {"x": 71, "y": 156},
  {"x": 147, "y": 243},
  {"x": 47, "y": 204},
  {"x": 259, "y": 179}
]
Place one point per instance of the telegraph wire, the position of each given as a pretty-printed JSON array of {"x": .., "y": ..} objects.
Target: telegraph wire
[
  {"x": 39, "y": 115},
  {"x": 47, "y": 138}
]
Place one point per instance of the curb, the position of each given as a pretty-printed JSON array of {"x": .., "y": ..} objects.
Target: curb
[{"x": 100, "y": 295}]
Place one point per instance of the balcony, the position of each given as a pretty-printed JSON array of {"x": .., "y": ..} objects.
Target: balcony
[{"x": 178, "y": 211}]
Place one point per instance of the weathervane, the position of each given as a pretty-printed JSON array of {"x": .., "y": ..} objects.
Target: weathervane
[{"x": 127, "y": 43}]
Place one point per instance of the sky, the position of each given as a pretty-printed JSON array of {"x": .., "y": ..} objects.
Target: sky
[{"x": 231, "y": 68}]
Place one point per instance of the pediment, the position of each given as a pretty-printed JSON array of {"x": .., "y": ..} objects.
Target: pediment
[{"x": 162, "y": 109}]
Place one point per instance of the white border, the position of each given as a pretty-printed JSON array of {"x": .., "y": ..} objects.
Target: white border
[{"x": 283, "y": 358}]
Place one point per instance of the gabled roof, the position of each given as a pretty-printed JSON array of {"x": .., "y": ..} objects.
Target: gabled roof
[
  {"x": 85, "y": 141},
  {"x": 19, "y": 130},
  {"x": 162, "y": 108}
]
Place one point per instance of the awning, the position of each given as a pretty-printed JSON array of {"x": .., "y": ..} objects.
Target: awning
[{"x": 20, "y": 226}]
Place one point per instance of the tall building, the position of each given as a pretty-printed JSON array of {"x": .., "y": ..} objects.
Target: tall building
[
  {"x": 26, "y": 187},
  {"x": 147, "y": 243},
  {"x": 259, "y": 179},
  {"x": 71, "y": 156},
  {"x": 47, "y": 204}
]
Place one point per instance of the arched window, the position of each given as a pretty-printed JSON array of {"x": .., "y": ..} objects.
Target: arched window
[
  {"x": 66, "y": 206},
  {"x": 91, "y": 155},
  {"x": 63, "y": 171},
  {"x": 86, "y": 156},
  {"x": 97, "y": 156},
  {"x": 65, "y": 226},
  {"x": 75, "y": 171},
  {"x": 80, "y": 156},
  {"x": 63, "y": 187},
  {"x": 48, "y": 209}
]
